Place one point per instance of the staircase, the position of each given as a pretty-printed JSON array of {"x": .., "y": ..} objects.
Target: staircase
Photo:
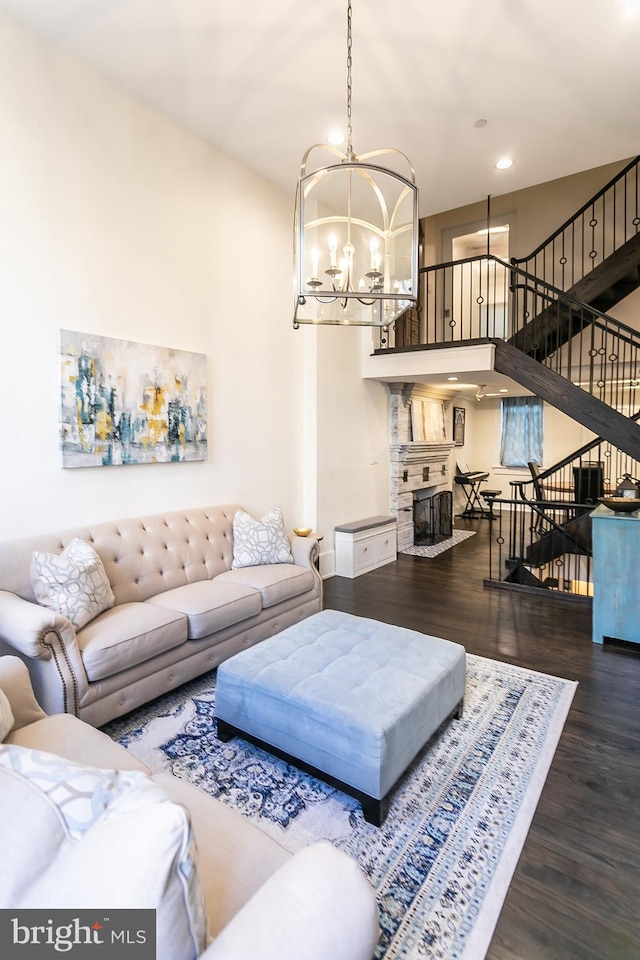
[
  {"x": 559, "y": 390},
  {"x": 572, "y": 536},
  {"x": 590, "y": 237},
  {"x": 544, "y": 312},
  {"x": 549, "y": 526},
  {"x": 547, "y": 316},
  {"x": 613, "y": 280},
  {"x": 605, "y": 286},
  {"x": 561, "y": 294}
]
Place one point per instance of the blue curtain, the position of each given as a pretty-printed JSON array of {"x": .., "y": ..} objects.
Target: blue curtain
[{"x": 521, "y": 431}]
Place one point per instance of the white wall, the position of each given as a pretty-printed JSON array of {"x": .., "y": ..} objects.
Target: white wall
[
  {"x": 116, "y": 221},
  {"x": 350, "y": 417}
]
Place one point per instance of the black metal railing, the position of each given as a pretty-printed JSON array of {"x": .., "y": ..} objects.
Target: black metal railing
[
  {"x": 541, "y": 545},
  {"x": 466, "y": 300},
  {"x": 598, "y": 353},
  {"x": 599, "y": 228},
  {"x": 541, "y": 536},
  {"x": 589, "y": 473},
  {"x": 483, "y": 297}
]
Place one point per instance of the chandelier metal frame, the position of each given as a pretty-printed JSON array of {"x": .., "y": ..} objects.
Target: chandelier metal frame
[{"x": 375, "y": 278}]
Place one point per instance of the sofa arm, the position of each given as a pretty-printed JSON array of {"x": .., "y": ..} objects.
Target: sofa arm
[
  {"x": 304, "y": 550},
  {"x": 318, "y": 905},
  {"x": 24, "y": 626},
  {"x": 15, "y": 683},
  {"x": 47, "y": 642}
]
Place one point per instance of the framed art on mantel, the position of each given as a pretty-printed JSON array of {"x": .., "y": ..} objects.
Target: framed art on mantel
[
  {"x": 458, "y": 426},
  {"x": 128, "y": 403}
]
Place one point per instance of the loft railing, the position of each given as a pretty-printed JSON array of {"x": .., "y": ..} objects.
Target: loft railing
[
  {"x": 467, "y": 300},
  {"x": 483, "y": 297},
  {"x": 599, "y": 228},
  {"x": 602, "y": 226}
]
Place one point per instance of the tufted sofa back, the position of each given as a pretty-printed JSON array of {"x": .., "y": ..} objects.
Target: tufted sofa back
[{"x": 143, "y": 556}]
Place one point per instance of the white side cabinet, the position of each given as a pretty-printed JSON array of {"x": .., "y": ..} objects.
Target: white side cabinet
[{"x": 365, "y": 545}]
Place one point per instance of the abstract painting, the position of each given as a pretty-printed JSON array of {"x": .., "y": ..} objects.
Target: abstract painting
[{"x": 127, "y": 403}]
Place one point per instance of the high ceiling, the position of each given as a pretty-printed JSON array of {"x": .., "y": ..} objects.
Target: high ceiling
[{"x": 556, "y": 81}]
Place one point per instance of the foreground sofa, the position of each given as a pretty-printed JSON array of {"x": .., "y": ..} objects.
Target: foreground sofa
[
  {"x": 243, "y": 896},
  {"x": 176, "y": 607}
]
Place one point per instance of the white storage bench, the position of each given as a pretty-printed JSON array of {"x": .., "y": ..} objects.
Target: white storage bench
[{"x": 364, "y": 545}]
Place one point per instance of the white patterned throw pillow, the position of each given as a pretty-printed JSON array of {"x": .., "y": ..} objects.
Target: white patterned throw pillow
[
  {"x": 84, "y": 838},
  {"x": 73, "y": 583},
  {"x": 260, "y": 541}
]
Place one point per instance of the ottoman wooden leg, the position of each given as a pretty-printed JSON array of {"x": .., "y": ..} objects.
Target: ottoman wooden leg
[
  {"x": 374, "y": 811},
  {"x": 225, "y": 731}
]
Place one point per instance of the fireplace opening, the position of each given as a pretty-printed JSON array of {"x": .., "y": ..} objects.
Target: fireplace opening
[{"x": 432, "y": 516}]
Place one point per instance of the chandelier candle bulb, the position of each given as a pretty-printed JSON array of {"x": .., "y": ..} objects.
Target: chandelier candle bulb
[
  {"x": 375, "y": 259},
  {"x": 333, "y": 247}
]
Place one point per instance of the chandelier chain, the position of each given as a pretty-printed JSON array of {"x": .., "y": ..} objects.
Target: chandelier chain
[{"x": 350, "y": 153}]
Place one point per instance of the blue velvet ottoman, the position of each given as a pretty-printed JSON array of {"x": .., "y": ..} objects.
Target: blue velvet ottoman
[{"x": 348, "y": 699}]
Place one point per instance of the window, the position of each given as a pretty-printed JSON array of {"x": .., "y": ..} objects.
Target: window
[{"x": 521, "y": 431}]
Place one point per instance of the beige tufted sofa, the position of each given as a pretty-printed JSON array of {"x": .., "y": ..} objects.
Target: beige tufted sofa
[{"x": 180, "y": 609}]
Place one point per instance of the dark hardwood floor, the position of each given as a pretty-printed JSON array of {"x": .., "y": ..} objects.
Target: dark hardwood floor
[{"x": 576, "y": 891}]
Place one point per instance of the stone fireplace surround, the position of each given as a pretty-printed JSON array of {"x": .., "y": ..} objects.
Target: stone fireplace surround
[{"x": 414, "y": 465}]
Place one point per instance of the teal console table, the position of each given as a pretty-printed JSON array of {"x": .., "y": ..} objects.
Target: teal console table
[{"x": 616, "y": 575}]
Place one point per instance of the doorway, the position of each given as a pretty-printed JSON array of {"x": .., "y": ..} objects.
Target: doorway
[
  {"x": 466, "y": 301},
  {"x": 481, "y": 285}
]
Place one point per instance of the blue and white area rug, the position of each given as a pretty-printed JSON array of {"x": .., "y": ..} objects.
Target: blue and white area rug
[{"x": 442, "y": 862}]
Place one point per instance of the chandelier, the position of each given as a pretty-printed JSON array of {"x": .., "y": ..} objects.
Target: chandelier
[{"x": 355, "y": 234}]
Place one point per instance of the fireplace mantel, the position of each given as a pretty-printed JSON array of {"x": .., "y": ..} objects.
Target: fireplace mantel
[{"x": 412, "y": 452}]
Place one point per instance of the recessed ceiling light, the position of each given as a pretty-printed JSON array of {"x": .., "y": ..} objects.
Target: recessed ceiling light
[
  {"x": 480, "y": 123},
  {"x": 503, "y": 390},
  {"x": 452, "y": 378},
  {"x": 336, "y": 137},
  {"x": 504, "y": 163}
]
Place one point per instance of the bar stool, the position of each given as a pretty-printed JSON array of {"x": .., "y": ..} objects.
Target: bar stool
[{"x": 489, "y": 496}]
